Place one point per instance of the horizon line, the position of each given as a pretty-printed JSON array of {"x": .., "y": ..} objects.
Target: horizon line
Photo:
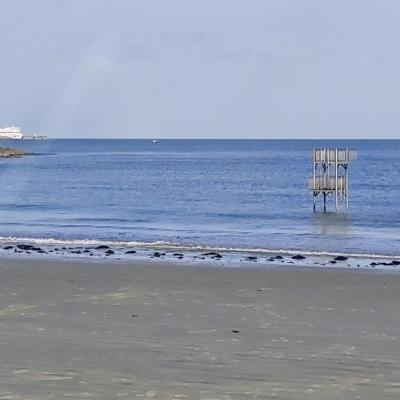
[{"x": 198, "y": 138}]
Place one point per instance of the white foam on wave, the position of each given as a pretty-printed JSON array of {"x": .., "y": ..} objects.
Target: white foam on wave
[
  {"x": 74, "y": 242},
  {"x": 179, "y": 246}
]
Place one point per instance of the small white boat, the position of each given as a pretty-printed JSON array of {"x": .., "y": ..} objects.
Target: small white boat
[{"x": 155, "y": 141}]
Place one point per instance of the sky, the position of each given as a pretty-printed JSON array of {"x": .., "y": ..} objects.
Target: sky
[{"x": 201, "y": 68}]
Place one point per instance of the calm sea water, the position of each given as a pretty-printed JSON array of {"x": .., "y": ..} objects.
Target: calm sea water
[{"x": 222, "y": 193}]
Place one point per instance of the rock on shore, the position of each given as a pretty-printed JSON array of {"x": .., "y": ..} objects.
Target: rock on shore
[{"x": 9, "y": 152}]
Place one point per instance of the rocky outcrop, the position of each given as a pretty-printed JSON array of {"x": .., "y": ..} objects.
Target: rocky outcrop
[
  {"x": 298, "y": 257},
  {"x": 6, "y": 152}
]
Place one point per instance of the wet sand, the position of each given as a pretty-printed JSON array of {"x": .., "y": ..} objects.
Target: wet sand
[{"x": 162, "y": 331}]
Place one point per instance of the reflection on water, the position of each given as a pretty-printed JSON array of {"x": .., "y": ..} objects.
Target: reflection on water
[{"x": 330, "y": 223}]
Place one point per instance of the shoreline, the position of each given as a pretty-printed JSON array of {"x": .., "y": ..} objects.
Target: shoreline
[
  {"x": 158, "y": 253},
  {"x": 168, "y": 331}
]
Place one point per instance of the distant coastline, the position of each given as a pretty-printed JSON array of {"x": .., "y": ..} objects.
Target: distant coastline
[{"x": 7, "y": 152}]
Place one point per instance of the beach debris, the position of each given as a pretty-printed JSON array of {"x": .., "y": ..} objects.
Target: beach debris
[
  {"x": 212, "y": 254},
  {"x": 25, "y": 246},
  {"x": 392, "y": 263},
  {"x": 274, "y": 258},
  {"x": 29, "y": 247}
]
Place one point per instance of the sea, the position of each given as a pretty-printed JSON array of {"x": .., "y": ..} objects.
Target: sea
[{"x": 241, "y": 195}]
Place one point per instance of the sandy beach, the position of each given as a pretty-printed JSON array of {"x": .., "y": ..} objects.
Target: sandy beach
[{"x": 162, "y": 331}]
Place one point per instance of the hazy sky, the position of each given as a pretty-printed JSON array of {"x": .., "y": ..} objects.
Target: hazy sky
[{"x": 201, "y": 68}]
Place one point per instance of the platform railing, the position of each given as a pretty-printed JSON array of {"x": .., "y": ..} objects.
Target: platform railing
[
  {"x": 327, "y": 183},
  {"x": 329, "y": 155}
]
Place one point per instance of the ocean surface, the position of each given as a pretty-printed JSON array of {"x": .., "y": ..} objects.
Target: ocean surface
[{"x": 236, "y": 194}]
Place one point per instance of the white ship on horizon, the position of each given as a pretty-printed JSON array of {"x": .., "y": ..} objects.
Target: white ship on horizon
[{"x": 11, "y": 132}]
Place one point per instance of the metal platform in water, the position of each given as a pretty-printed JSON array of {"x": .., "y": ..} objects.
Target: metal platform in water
[{"x": 331, "y": 175}]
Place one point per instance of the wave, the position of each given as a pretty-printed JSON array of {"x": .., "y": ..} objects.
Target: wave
[{"x": 187, "y": 247}]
